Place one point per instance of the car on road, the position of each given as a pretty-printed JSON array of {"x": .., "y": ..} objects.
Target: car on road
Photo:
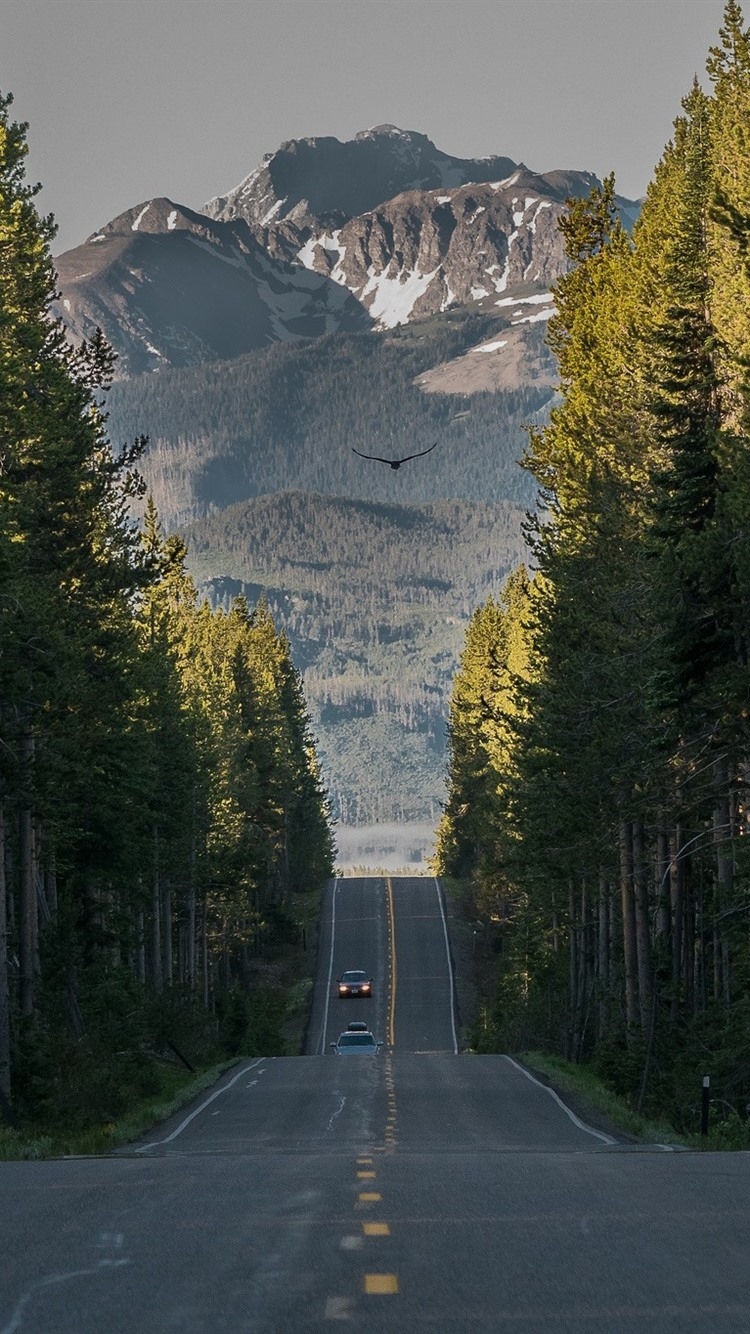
[
  {"x": 356, "y": 1044},
  {"x": 355, "y": 982}
]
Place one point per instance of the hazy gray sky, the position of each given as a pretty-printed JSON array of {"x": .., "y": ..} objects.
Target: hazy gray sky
[{"x": 128, "y": 99}]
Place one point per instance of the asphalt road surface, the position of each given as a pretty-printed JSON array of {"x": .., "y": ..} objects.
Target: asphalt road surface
[{"x": 419, "y": 1189}]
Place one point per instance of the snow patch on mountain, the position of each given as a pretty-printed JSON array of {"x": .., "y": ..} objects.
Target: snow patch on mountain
[
  {"x": 272, "y": 212},
  {"x": 535, "y": 300},
  {"x": 135, "y": 224},
  {"x": 306, "y": 254},
  {"x": 543, "y": 203},
  {"x": 537, "y": 316},
  {"x": 394, "y": 298}
]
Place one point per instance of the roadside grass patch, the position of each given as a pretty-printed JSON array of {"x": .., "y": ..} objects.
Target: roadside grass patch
[
  {"x": 176, "y": 1088},
  {"x": 584, "y": 1084}
]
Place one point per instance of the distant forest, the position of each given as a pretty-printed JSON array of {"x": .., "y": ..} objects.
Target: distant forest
[
  {"x": 286, "y": 418},
  {"x": 375, "y": 600}
]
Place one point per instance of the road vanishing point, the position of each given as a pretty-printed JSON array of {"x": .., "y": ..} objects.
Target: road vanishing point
[{"x": 422, "y": 1189}]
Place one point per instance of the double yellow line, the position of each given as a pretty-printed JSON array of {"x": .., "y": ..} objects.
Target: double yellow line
[{"x": 392, "y": 1005}]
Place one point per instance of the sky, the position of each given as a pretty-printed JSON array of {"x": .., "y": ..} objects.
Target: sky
[{"x": 129, "y": 99}]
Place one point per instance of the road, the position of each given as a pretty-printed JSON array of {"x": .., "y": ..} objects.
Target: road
[{"x": 420, "y": 1189}]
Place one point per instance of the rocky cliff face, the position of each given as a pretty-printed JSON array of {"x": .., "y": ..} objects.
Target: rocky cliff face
[
  {"x": 426, "y": 251},
  {"x": 323, "y": 237},
  {"x": 311, "y": 180}
]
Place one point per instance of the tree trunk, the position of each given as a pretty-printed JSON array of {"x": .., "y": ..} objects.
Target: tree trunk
[
  {"x": 688, "y": 938},
  {"x": 700, "y": 998},
  {"x": 572, "y": 1053},
  {"x": 676, "y": 899},
  {"x": 50, "y": 888},
  {"x": 662, "y": 892},
  {"x": 585, "y": 969},
  {"x": 722, "y": 830},
  {"x": 603, "y": 952},
  {"x": 629, "y": 947},
  {"x": 642, "y": 925},
  {"x": 28, "y": 925},
  {"x": 190, "y": 904},
  {"x": 166, "y": 897},
  {"x": 204, "y": 951},
  {"x": 157, "y": 976},
  {"x": 140, "y": 952},
  {"x": 5, "y": 1081}
]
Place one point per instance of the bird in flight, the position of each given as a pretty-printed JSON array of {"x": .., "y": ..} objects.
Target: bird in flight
[{"x": 394, "y": 463}]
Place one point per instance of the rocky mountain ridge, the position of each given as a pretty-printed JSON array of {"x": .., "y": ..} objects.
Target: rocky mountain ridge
[
  {"x": 174, "y": 287},
  {"x": 313, "y": 180},
  {"x": 171, "y": 287}
]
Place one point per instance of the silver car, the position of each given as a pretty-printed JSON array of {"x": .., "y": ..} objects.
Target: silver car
[{"x": 356, "y": 1044}]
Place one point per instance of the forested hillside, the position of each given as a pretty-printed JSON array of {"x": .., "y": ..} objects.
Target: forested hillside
[
  {"x": 287, "y": 418},
  {"x": 162, "y": 822},
  {"x": 374, "y": 599},
  {"x": 600, "y": 733}
]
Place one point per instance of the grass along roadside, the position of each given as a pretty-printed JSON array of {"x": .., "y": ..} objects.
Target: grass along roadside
[
  {"x": 178, "y": 1087},
  {"x": 269, "y": 1021},
  {"x": 590, "y": 1093},
  {"x": 591, "y": 1098}
]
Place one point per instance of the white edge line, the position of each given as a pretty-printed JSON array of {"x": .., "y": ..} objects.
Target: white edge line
[
  {"x": 206, "y": 1102},
  {"x": 450, "y": 969},
  {"x": 330, "y": 969},
  {"x": 606, "y": 1139}
]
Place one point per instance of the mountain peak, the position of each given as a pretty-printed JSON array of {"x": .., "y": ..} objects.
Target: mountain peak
[
  {"x": 319, "y": 179},
  {"x": 387, "y": 131}
]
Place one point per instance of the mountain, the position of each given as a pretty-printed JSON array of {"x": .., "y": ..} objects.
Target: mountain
[
  {"x": 380, "y": 294},
  {"x": 309, "y": 180},
  {"x": 377, "y": 636},
  {"x": 322, "y": 237},
  {"x": 169, "y": 287}
]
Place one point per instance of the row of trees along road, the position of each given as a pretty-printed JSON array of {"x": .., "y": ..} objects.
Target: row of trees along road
[
  {"x": 160, "y": 804},
  {"x": 600, "y": 732}
]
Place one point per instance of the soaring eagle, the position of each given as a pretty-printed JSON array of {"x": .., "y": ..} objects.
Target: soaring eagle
[{"x": 394, "y": 463}]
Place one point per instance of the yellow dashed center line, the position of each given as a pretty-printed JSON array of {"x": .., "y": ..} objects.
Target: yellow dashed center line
[
  {"x": 392, "y": 921},
  {"x": 381, "y": 1283},
  {"x": 385, "y": 1284}
]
